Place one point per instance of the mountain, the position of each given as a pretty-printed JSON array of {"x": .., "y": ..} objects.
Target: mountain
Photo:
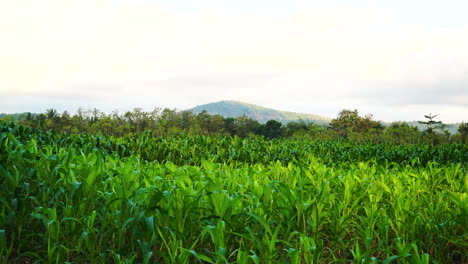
[
  {"x": 451, "y": 127},
  {"x": 259, "y": 113}
]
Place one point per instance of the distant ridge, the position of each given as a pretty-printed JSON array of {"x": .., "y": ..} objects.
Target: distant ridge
[
  {"x": 452, "y": 128},
  {"x": 259, "y": 113}
]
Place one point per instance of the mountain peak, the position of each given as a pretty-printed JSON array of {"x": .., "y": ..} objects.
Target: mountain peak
[{"x": 232, "y": 108}]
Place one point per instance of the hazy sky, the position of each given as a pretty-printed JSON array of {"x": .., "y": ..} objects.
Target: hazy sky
[{"x": 397, "y": 60}]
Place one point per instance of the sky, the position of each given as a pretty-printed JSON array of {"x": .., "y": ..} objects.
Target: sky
[{"x": 396, "y": 60}]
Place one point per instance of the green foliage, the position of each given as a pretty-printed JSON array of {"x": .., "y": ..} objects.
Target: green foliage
[
  {"x": 187, "y": 199},
  {"x": 168, "y": 122},
  {"x": 463, "y": 130},
  {"x": 402, "y": 133},
  {"x": 349, "y": 122},
  {"x": 431, "y": 124},
  {"x": 272, "y": 129}
]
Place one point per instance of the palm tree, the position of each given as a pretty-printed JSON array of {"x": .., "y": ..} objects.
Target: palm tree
[{"x": 51, "y": 113}]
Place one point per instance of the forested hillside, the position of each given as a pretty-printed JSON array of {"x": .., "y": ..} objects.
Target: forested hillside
[{"x": 259, "y": 113}]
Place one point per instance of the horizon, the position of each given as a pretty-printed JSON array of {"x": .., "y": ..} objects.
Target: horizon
[
  {"x": 396, "y": 60},
  {"x": 121, "y": 111}
]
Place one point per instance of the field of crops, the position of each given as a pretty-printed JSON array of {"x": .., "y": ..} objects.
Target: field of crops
[{"x": 197, "y": 199}]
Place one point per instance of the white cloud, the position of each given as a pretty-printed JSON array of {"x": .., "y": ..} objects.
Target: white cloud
[{"x": 143, "y": 53}]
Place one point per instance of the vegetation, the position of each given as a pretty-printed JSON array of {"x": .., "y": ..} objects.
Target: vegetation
[
  {"x": 432, "y": 125},
  {"x": 349, "y": 122},
  {"x": 463, "y": 130},
  {"x": 348, "y": 126},
  {"x": 83, "y": 198}
]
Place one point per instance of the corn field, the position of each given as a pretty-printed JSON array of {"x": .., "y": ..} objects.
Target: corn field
[{"x": 207, "y": 199}]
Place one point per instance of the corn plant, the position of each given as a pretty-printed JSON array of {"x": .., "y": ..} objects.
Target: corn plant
[{"x": 213, "y": 199}]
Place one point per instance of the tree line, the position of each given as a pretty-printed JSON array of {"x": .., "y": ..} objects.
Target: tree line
[{"x": 348, "y": 125}]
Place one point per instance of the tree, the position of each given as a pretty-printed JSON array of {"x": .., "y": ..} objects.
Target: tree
[
  {"x": 245, "y": 126},
  {"x": 51, "y": 113},
  {"x": 272, "y": 129},
  {"x": 229, "y": 124},
  {"x": 186, "y": 120},
  {"x": 402, "y": 133},
  {"x": 28, "y": 119},
  {"x": 210, "y": 124},
  {"x": 216, "y": 124},
  {"x": 463, "y": 129},
  {"x": 169, "y": 122},
  {"x": 52, "y": 119},
  {"x": 349, "y": 121},
  {"x": 65, "y": 122},
  {"x": 295, "y": 126},
  {"x": 345, "y": 122},
  {"x": 431, "y": 123}
]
